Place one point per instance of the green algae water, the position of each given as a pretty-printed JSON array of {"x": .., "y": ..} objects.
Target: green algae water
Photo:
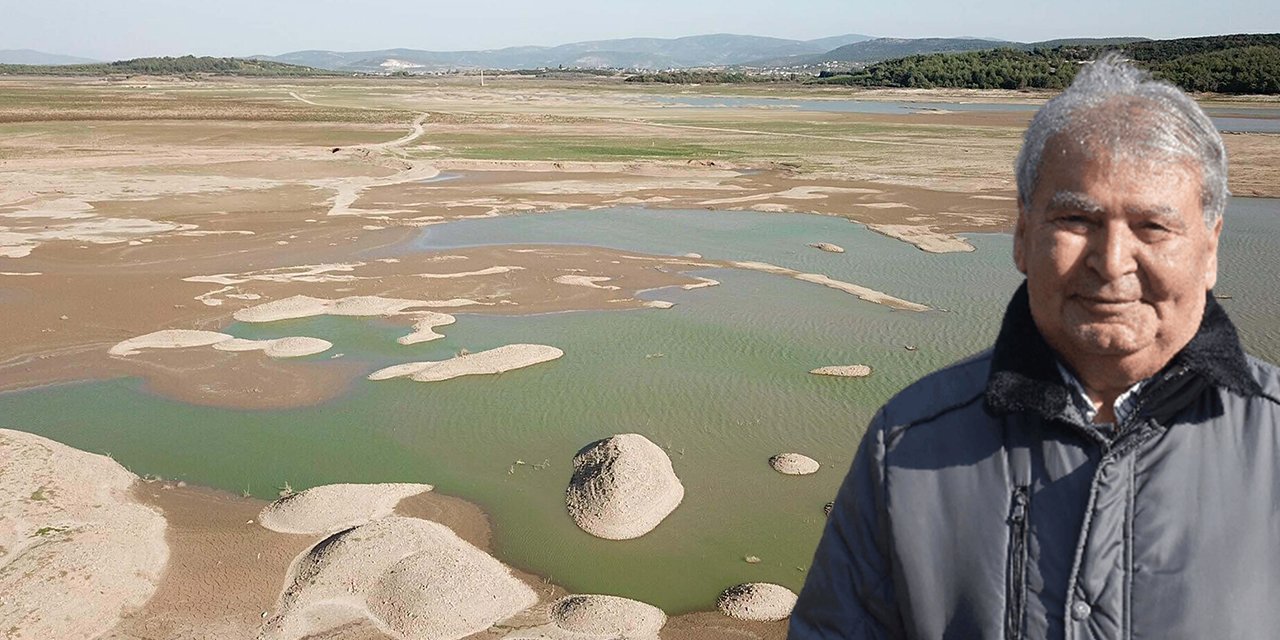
[{"x": 720, "y": 381}]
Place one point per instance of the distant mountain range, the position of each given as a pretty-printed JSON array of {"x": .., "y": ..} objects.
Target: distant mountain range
[
  {"x": 630, "y": 53},
  {"x": 644, "y": 54},
  {"x": 648, "y": 54},
  {"x": 28, "y": 56}
]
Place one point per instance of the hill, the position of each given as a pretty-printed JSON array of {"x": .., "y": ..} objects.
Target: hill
[
  {"x": 166, "y": 66},
  {"x": 629, "y": 53},
  {"x": 887, "y": 48},
  {"x": 880, "y": 49},
  {"x": 28, "y": 56},
  {"x": 1242, "y": 63}
]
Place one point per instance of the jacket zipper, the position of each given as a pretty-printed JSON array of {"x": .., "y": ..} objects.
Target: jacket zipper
[{"x": 1017, "y": 579}]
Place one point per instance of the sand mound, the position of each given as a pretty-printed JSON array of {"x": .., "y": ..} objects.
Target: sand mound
[
  {"x": 828, "y": 247},
  {"x": 76, "y": 550},
  {"x": 761, "y": 601},
  {"x": 168, "y": 339},
  {"x": 844, "y": 371},
  {"x": 608, "y": 616},
  {"x": 285, "y": 309},
  {"x": 292, "y": 347},
  {"x": 794, "y": 464},
  {"x": 424, "y": 325},
  {"x": 622, "y": 487},
  {"x": 412, "y": 578},
  {"x": 512, "y": 356},
  {"x": 332, "y": 507}
]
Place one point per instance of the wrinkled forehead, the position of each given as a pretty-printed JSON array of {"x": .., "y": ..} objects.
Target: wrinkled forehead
[{"x": 1084, "y": 175}]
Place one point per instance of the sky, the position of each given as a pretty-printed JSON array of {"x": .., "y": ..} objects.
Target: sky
[{"x": 118, "y": 29}]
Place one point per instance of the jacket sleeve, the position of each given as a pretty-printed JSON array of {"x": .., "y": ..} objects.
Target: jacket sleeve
[{"x": 849, "y": 592}]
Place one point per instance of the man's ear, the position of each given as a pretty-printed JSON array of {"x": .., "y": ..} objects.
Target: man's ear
[
  {"x": 1019, "y": 240},
  {"x": 1211, "y": 256}
]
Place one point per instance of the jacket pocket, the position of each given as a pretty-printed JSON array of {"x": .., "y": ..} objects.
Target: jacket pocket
[{"x": 1016, "y": 580}]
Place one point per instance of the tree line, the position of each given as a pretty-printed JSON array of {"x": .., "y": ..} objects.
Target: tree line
[
  {"x": 206, "y": 65},
  {"x": 1245, "y": 63}
]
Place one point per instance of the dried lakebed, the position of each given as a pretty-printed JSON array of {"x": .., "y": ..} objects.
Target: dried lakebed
[{"x": 720, "y": 382}]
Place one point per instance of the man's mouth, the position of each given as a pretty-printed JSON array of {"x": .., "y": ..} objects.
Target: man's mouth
[{"x": 1106, "y": 303}]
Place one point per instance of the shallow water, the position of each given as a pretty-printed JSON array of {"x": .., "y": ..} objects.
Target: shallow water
[
  {"x": 442, "y": 177},
  {"x": 720, "y": 381},
  {"x": 1237, "y": 119}
]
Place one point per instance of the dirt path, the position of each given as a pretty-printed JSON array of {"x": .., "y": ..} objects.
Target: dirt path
[{"x": 348, "y": 190}]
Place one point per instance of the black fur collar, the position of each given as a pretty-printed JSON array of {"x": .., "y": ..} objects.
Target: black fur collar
[{"x": 1024, "y": 375}]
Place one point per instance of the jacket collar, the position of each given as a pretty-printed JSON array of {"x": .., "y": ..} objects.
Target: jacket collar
[{"x": 1024, "y": 376}]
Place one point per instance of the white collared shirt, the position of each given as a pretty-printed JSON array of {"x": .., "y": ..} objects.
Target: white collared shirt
[{"x": 1125, "y": 404}]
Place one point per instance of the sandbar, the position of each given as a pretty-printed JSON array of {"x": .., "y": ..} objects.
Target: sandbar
[
  {"x": 499, "y": 360},
  {"x": 290, "y": 347},
  {"x": 924, "y": 237},
  {"x": 300, "y": 306},
  {"x": 168, "y": 339},
  {"x": 423, "y": 327},
  {"x": 844, "y": 371},
  {"x": 869, "y": 295}
]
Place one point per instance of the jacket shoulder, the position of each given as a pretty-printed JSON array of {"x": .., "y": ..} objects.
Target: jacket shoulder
[
  {"x": 945, "y": 390},
  {"x": 1267, "y": 375}
]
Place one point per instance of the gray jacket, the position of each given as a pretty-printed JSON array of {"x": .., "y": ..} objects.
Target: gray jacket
[{"x": 980, "y": 505}]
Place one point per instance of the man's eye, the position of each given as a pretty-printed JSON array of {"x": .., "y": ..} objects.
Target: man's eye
[{"x": 1152, "y": 231}]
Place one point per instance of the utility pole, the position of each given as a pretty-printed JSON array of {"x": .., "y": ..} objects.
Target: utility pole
[{"x": 482, "y": 76}]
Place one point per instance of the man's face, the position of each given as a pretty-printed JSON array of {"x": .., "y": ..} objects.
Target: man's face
[{"x": 1117, "y": 256}]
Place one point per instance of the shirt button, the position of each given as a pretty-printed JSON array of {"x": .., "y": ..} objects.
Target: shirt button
[{"x": 1080, "y": 610}]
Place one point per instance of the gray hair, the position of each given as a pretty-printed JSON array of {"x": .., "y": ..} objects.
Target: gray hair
[{"x": 1112, "y": 106}]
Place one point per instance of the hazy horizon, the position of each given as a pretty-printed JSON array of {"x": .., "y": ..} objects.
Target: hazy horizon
[{"x": 114, "y": 30}]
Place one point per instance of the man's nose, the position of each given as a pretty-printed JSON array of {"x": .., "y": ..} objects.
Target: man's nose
[{"x": 1112, "y": 251}]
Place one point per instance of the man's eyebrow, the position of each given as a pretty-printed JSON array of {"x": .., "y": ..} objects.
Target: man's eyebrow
[{"x": 1073, "y": 201}]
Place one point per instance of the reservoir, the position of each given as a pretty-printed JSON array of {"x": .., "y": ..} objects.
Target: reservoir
[{"x": 720, "y": 381}]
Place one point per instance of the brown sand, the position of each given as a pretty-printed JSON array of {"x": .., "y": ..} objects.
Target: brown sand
[{"x": 102, "y": 309}]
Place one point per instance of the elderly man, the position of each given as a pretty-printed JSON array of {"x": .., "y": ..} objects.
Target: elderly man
[{"x": 1111, "y": 467}]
